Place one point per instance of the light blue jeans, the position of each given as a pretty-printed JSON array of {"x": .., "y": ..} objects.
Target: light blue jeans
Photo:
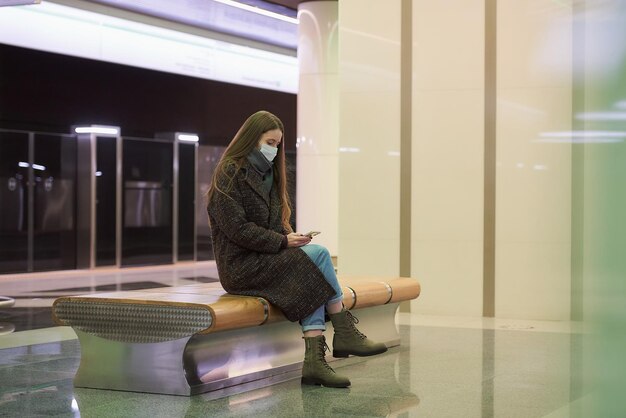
[{"x": 321, "y": 257}]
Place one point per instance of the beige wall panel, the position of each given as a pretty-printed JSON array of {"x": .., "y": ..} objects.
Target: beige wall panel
[
  {"x": 448, "y": 165},
  {"x": 447, "y": 207},
  {"x": 369, "y": 182},
  {"x": 448, "y": 44},
  {"x": 534, "y": 287},
  {"x": 372, "y": 257},
  {"x": 534, "y": 43},
  {"x": 448, "y": 271},
  {"x": 533, "y": 173},
  {"x": 447, "y": 156},
  {"x": 369, "y": 172}
]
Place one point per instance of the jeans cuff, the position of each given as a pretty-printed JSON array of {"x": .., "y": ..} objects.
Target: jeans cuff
[
  {"x": 313, "y": 327},
  {"x": 334, "y": 300}
]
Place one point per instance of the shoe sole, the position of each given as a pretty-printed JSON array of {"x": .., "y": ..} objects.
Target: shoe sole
[
  {"x": 317, "y": 382},
  {"x": 344, "y": 354}
]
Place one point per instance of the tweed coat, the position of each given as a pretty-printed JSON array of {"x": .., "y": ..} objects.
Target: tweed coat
[{"x": 248, "y": 235}]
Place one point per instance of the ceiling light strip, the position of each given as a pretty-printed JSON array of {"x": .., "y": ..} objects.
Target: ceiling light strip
[{"x": 258, "y": 10}]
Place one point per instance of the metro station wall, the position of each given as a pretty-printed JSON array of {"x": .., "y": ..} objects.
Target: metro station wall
[
  {"x": 46, "y": 92},
  {"x": 51, "y": 92}
]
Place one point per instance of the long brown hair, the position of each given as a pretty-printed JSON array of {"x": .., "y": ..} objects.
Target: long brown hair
[{"x": 246, "y": 139}]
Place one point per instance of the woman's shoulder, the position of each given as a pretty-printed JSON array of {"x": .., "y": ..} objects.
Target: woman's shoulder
[
  {"x": 229, "y": 175},
  {"x": 230, "y": 169}
]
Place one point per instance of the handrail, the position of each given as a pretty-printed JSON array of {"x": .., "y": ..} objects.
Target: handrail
[{"x": 6, "y": 302}]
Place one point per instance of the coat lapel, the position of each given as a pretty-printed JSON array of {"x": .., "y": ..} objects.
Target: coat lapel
[
  {"x": 253, "y": 178},
  {"x": 275, "y": 208}
]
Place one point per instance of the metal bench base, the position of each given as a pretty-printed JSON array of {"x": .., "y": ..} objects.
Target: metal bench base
[{"x": 204, "y": 363}]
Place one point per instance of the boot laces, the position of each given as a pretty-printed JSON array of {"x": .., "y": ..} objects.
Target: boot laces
[
  {"x": 354, "y": 320},
  {"x": 323, "y": 349}
]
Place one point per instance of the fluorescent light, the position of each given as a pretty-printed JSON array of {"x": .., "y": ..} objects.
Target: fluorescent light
[
  {"x": 187, "y": 137},
  {"x": 18, "y": 2},
  {"x": 582, "y": 137},
  {"x": 258, "y": 10},
  {"x": 591, "y": 140},
  {"x": 104, "y": 130},
  {"x": 24, "y": 164},
  {"x": 601, "y": 116},
  {"x": 349, "y": 149},
  {"x": 583, "y": 134},
  {"x": 96, "y": 36},
  {"x": 393, "y": 153}
]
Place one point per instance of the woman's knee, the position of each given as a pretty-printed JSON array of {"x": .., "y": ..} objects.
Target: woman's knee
[
  {"x": 321, "y": 251},
  {"x": 316, "y": 251}
]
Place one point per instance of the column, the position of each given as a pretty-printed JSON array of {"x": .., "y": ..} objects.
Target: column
[{"x": 318, "y": 123}]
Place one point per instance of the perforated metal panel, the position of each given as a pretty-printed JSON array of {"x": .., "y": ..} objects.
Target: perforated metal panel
[{"x": 133, "y": 323}]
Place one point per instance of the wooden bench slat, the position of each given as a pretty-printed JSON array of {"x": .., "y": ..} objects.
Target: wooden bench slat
[{"x": 234, "y": 312}]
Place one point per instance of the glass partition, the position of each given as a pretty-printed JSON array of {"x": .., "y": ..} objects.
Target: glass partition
[
  {"x": 106, "y": 200},
  {"x": 37, "y": 201},
  {"x": 186, "y": 201},
  {"x": 14, "y": 172},
  {"x": 147, "y": 202},
  {"x": 208, "y": 157},
  {"x": 54, "y": 170}
]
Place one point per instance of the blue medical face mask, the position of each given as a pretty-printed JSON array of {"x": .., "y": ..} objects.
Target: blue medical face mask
[{"x": 269, "y": 152}]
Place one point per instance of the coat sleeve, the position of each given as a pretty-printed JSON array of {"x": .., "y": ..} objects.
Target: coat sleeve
[{"x": 227, "y": 211}]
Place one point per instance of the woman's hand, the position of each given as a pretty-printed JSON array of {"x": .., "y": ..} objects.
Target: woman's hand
[{"x": 297, "y": 240}]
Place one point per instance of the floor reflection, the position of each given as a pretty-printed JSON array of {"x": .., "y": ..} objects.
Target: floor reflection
[{"x": 438, "y": 371}]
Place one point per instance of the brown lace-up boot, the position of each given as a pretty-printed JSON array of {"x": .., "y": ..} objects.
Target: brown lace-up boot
[
  {"x": 349, "y": 340},
  {"x": 315, "y": 370}
]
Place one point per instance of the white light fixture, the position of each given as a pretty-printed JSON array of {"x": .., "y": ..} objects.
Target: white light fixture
[
  {"x": 187, "y": 137},
  {"x": 98, "y": 173},
  {"x": 258, "y": 10},
  {"x": 583, "y": 134},
  {"x": 103, "y": 130},
  {"x": 18, "y": 2},
  {"x": 349, "y": 149},
  {"x": 597, "y": 140},
  {"x": 24, "y": 164},
  {"x": 602, "y": 116},
  {"x": 582, "y": 137}
]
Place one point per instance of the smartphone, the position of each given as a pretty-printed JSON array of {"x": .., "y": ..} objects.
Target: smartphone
[{"x": 311, "y": 234}]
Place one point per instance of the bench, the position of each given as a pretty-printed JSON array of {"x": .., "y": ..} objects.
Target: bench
[{"x": 192, "y": 339}]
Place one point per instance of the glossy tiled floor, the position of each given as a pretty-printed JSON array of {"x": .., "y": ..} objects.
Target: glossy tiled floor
[{"x": 445, "y": 367}]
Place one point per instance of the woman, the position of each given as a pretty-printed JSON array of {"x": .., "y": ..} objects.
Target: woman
[{"x": 258, "y": 254}]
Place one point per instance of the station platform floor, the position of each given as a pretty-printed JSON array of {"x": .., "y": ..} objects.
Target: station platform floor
[{"x": 445, "y": 366}]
